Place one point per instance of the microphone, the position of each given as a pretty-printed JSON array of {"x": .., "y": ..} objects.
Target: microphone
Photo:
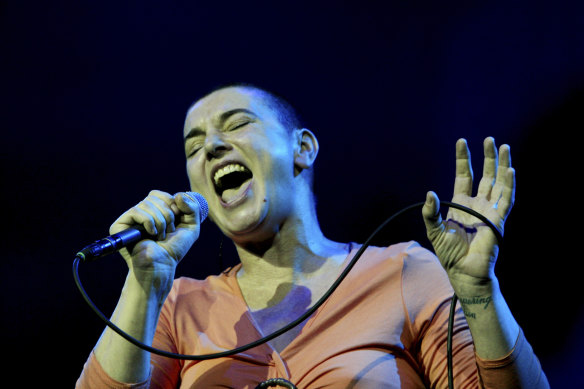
[{"x": 132, "y": 235}]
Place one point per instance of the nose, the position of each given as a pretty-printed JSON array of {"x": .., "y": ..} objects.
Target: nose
[{"x": 215, "y": 145}]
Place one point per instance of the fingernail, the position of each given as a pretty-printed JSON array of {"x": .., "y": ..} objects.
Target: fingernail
[{"x": 188, "y": 197}]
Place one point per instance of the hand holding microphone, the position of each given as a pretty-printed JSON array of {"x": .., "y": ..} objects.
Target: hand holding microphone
[{"x": 170, "y": 222}]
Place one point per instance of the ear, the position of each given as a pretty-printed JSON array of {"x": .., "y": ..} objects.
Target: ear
[{"x": 306, "y": 149}]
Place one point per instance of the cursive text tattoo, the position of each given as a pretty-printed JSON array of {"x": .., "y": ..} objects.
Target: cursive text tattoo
[
  {"x": 467, "y": 302},
  {"x": 485, "y": 301}
]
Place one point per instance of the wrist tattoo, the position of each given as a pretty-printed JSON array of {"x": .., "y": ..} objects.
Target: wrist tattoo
[
  {"x": 467, "y": 302},
  {"x": 485, "y": 301}
]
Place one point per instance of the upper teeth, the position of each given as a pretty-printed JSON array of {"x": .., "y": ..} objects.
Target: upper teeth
[{"x": 226, "y": 170}]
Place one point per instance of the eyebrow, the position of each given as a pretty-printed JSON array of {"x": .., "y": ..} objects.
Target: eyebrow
[{"x": 197, "y": 131}]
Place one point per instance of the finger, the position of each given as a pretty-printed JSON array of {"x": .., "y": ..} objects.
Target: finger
[
  {"x": 507, "y": 198},
  {"x": 489, "y": 168},
  {"x": 502, "y": 176},
  {"x": 505, "y": 156},
  {"x": 151, "y": 206},
  {"x": 164, "y": 207},
  {"x": 188, "y": 206},
  {"x": 167, "y": 198},
  {"x": 463, "y": 177},
  {"x": 135, "y": 216},
  {"x": 431, "y": 214}
]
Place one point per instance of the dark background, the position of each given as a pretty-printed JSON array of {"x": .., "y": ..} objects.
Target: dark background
[{"x": 94, "y": 95}]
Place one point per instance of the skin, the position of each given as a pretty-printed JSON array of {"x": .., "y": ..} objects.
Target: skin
[
  {"x": 274, "y": 227},
  {"x": 468, "y": 251}
]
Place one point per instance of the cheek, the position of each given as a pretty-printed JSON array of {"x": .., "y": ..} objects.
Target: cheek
[
  {"x": 195, "y": 175},
  {"x": 276, "y": 155}
]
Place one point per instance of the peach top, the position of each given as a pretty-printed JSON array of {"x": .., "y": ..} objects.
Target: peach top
[{"x": 384, "y": 327}]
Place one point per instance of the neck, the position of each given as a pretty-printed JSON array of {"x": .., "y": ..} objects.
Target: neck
[{"x": 297, "y": 251}]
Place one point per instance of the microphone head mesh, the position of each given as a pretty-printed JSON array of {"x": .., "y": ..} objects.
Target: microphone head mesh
[{"x": 203, "y": 205}]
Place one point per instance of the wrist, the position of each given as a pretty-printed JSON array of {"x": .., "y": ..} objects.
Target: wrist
[
  {"x": 492, "y": 326},
  {"x": 149, "y": 287},
  {"x": 469, "y": 286}
]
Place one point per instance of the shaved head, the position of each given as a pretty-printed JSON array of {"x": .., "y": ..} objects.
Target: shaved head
[{"x": 285, "y": 112}]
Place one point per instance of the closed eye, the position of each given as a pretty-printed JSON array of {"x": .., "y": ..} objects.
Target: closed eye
[
  {"x": 238, "y": 124},
  {"x": 194, "y": 148}
]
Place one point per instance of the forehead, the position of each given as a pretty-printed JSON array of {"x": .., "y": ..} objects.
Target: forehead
[{"x": 210, "y": 107}]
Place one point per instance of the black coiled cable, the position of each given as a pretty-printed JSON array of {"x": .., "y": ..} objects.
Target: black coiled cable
[{"x": 308, "y": 313}]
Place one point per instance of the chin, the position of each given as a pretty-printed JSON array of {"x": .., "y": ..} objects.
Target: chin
[{"x": 245, "y": 224}]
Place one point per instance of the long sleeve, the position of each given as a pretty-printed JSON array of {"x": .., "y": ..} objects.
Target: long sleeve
[
  {"x": 519, "y": 369},
  {"x": 164, "y": 372},
  {"x": 94, "y": 377},
  {"x": 385, "y": 326},
  {"x": 427, "y": 295}
]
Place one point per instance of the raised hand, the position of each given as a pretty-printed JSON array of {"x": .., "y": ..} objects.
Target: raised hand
[{"x": 466, "y": 247}]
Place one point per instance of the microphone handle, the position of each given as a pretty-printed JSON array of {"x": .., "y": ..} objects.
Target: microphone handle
[
  {"x": 132, "y": 235},
  {"x": 113, "y": 243}
]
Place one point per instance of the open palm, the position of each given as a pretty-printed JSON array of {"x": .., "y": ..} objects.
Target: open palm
[{"x": 466, "y": 247}]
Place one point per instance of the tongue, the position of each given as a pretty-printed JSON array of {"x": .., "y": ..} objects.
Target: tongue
[{"x": 231, "y": 194}]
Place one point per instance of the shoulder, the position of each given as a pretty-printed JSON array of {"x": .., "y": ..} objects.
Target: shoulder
[
  {"x": 389, "y": 267},
  {"x": 419, "y": 262},
  {"x": 407, "y": 256},
  {"x": 425, "y": 286},
  {"x": 422, "y": 269},
  {"x": 402, "y": 284},
  {"x": 411, "y": 271},
  {"x": 209, "y": 306}
]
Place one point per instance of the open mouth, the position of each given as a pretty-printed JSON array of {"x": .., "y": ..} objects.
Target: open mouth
[{"x": 231, "y": 181}]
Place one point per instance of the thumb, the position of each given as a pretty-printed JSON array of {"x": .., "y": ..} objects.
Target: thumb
[
  {"x": 431, "y": 214},
  {"x": 192, "y": 203}
]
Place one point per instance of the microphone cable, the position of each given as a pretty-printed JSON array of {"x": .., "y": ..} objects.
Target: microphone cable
[{"x": 309, "y": 312}]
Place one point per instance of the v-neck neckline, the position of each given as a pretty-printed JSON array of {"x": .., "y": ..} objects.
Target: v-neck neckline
[{"x": 234, "y": 284}]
